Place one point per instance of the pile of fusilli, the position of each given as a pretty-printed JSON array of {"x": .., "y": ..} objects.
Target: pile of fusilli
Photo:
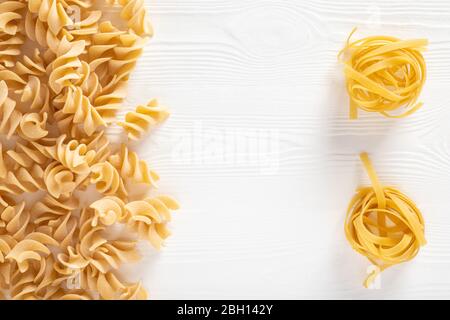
[{"x": 63, "y": 75}]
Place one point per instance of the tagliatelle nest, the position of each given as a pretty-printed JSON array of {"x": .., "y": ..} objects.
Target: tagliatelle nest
[
  {"x": 384, "y": 74},
  {"x": 383, "y": 224}
]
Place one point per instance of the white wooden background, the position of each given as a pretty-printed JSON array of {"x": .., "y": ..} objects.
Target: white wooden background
[{"x": 261, "y": 154}]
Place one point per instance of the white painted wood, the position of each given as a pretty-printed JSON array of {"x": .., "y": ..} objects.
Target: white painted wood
[{"x": 261, "y": 154}]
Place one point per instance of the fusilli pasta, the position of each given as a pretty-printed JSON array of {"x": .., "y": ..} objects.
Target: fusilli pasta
[
  {"x": 64, "y": 71},
  {"x": 143, "y": 118}
]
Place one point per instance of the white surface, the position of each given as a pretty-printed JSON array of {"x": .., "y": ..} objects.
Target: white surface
[{"x": 261, "y": 154}]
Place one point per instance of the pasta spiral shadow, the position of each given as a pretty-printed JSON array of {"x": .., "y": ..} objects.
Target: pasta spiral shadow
[
  {"x": 384, "y": 74},
  {"x": 383, "y": 224}
]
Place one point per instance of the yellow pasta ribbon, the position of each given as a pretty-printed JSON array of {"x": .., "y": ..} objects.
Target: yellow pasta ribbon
[
  {"x": 383, "y": 74},
  {"x": 383, "y": 224}
]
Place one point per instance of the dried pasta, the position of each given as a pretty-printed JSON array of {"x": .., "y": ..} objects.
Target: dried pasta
[
  {"x": 63, "y": 78},
  {"x": 384, "y": 74},
  {"x": 143, "y": 118},
  {"x": 383, "y": 224},
  {"x": 149, "y": 218}
]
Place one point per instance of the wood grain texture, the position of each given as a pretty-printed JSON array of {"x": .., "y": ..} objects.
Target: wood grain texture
[{"x": 261, "y": 154}]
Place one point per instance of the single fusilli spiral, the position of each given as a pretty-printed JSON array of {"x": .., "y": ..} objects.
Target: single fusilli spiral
[
  {"x": 130, "y": 166},
  {"x": 10, "y": 116},
  {"x": 80, "y": 111},
  {"x": 11, "y": 38},
  {"x": 31, "y": 66},
  {"x": 49, "y": 207},
  {"x": 110, "y": 287},
  {"x": 149, "y": 218},
  {"x": 14, "y": 220},
  {"x": 33, "y": 126},
  {"x": 108, "y": 211},
  {"x": 51, "y": 12},
  {"x": 72, "y": 154},
  {"x": 35, "y": 95},
  {"x": 26, "y": 156},
  {"x": 23, "y": 180},
  {"x": 143, "y": 118},
  {"x": 104, "y": 255},
  {"x": 107, "y": 179},
  {"x": 64, "y": 67},
  {"x": 59, "y": 180},
  {"x": 34, "y": 247}
]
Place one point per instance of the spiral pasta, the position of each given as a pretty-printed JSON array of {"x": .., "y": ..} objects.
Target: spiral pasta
[
  {"x": 10, "y": 37},
  {"x": 34, "y": 66},
  {"x": 109, "y": 100},
  {"x": 124, "y": 60},
  {"x": 72, "y": 155},
  {"x": 23, "y": 180},
  {"x": 14, "y": 220},
  {"x": 33, "y": 126},
  {"x": 24, "y": 155},
  {"x": 134, "y": 13},
  {"x": 143, "y": 118},
  {"x": 108, "y": 210},
  {"x": 149, "y": 218},
  {"x": 384, "y": 74},
  {"x": 107, "y": 179},
  {"x": 10, "y": 117},
  {"x": 64, "y": 185},
  {"x": 383, "y": 224},
  {"x": 63, "y": 68},
  {"x": 81, "y": 110},
  {"x": 130, "y": 166},
  {"x": 110, "y": 287},
  {"x": 35, "y": 95},
  {"x": 33, "y": 247}
]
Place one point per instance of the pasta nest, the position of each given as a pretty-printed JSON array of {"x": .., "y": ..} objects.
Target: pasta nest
[
  {"x": 383, "y": 224},
  {"x": 384, "y": 74}
]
